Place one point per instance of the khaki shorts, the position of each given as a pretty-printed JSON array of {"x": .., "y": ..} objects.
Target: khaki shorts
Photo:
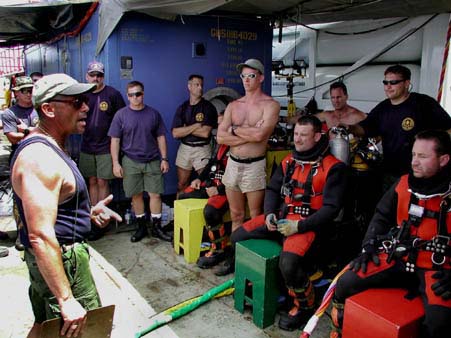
[
  {"x": 76, "y": 265},
  {"x": 139, "y": 177},
  {"x": 100, "y": 166},
  {"x": 245, "y": 177},
  {"x": 192, "y": 157}
]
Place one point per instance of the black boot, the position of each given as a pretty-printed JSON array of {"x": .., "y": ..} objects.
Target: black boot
[
  {"x": 210, "y": 259},
  {"x": 302, "y": 310},
  {"x": 158, "y": 231},
  {"x": 142, "y": 230},
  {"x": 227, "y": 267}
]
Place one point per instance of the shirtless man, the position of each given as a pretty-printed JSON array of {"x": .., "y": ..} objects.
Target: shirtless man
[
  {"x": 248, "y": 122},
  {"x": 343, "y": 114}
]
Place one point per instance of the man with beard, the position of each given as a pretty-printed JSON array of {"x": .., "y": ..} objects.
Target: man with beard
[
  {"x": 416, "y": 212},
  {"x": 301, "y": 200},
  {"x": 95, "y": 160}
]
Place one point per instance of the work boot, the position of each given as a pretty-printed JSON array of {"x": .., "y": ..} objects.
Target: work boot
[
  {"x": 158, "y": 231},
  {"x": 18, "y": 245},
  {"x": 3, "y": 235},
  {"x": 211, "y": 258},
  {"x": 142, "y": 230},
  {"x": 227, "y": 267}
]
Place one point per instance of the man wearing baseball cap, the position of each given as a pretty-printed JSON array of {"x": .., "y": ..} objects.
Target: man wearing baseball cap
[
  {"x": 95, "y": 159},
  {"x": 55, "y": 209},
  {"x": 248, "y": 122},
  {"x": 18, "y": 121}
]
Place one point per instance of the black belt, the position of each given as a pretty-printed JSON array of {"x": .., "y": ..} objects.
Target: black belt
[
  {"x": 195, "y": 144},
  {"x": 247, "y": 160}
]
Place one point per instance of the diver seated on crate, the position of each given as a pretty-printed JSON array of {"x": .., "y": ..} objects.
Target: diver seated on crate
[
  {"x": 209, "y": 185},
  {"x": 408, "y": 243},
  {"x": 302, "y": 200}
]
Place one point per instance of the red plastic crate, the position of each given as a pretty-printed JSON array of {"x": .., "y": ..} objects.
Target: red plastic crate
[{"x": 382, "y": 313}]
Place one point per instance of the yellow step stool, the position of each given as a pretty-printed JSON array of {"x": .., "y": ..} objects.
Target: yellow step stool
[{"x": 189, "y": 224}]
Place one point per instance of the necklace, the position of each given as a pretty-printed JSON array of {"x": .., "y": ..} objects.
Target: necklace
[{"x": 46, "y": 133}]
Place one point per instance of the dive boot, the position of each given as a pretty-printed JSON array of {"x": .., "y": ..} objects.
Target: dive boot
[
  {"x": 210, "y": 259},
  {"x": 294, "y": 319},
  {"x": 227, "y": 267}
]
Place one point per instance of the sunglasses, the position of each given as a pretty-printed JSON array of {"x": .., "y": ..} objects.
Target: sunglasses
[
  {"x": 137, "y": 94},
  {"x": 391, "y": 82},
  {"x": 95, "y": 74},
  {"x": 248, "y": 76},
  {"x": 26, "y": 90},
  {"x": 77, "y": 103}
]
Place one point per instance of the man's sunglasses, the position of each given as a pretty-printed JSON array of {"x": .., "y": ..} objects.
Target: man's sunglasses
[
  {"x": 95, "y": 74},
  {"x": 391, "y": 82},
  {"x": 137, "y": 94},
  {"x": 77, "y": 103},
  {"x": 248, "y": 76},
  {"x": 26, "y": 90}
]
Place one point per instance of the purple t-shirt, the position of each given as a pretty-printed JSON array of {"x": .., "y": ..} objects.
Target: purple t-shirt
[
  {"x": 10, "y": 118},
  {"x": 102, "y": 107},
  {"x": 138, "y": 131}
]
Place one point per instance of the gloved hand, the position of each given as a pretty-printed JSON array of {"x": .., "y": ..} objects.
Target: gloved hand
[
  {"x": 287, "y": 227},
  {"x": 369, "y": 252},
  {"x": 271, "y": 222},
  {"x": 443, "y": 286}
]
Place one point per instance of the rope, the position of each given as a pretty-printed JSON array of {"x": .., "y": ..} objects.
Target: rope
[{"x": 445, "y": 59}]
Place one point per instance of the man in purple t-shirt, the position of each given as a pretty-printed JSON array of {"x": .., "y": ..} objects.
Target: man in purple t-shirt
[
  {"x": 18, "y": 121},
  {"x": 139, "y": 131},
  {"x": 95, "y": 159}
]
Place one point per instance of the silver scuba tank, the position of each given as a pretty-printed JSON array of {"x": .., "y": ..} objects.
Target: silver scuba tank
[{"x": 339, "y": 145}]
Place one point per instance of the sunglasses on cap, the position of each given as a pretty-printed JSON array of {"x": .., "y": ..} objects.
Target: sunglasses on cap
[
  {"x": 391, "y": 82},
  {"x": 137, "y": 94},
  {"x": 26, "y": 90},
  {"x": 77, "y": 103},
  {"x": 248, "y": 76}
]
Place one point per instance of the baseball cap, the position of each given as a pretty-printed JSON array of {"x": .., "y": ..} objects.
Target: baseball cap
[
  {"x": 251, "y": 63},
  {"x": 49, "y": 86},
  {"x": 95, "y": 66},
  {"x": 23, "y": 82}
]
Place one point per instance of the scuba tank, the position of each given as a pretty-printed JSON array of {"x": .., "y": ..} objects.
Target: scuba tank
[{"x": 339, "y": 145}]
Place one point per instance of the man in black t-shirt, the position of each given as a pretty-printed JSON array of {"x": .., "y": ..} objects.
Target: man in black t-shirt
[
  {"x": 192, "y": 125},
  {"x": 398, "y": 119}
]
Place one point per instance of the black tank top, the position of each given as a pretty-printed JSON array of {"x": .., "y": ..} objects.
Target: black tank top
[{"x": 73, "y": 221}]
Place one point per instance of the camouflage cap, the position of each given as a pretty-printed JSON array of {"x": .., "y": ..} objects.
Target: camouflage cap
[
  {"x": 49, "y": 86},
  {"x": 95, "y": 66},
  {"x": 23, "y": 82}
]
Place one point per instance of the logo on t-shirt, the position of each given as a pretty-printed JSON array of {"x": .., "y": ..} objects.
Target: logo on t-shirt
[
  {"x": 408, "y": 124},
  {"x": 35, "y": 121},
  {"x": 200, "y": 117},
  {"x": 103, "y": 106}
]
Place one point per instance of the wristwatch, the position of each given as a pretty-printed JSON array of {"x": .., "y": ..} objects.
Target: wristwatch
[
  {"x": 233, "y": 130},
  {"x": 26, "y": 131},
  {"x": 165, "y": 159}
]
